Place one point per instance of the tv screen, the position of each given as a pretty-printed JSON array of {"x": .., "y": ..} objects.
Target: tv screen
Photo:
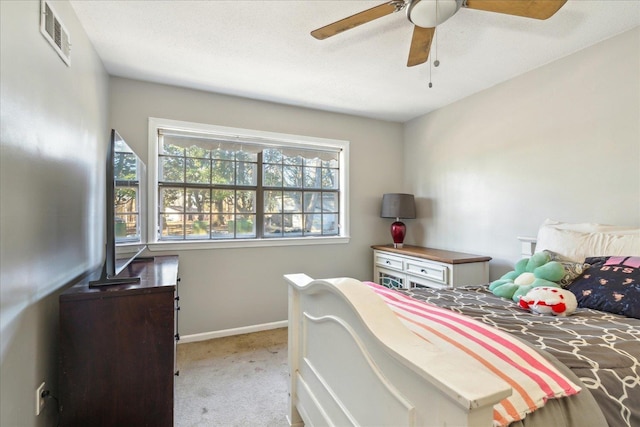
[{"x": 125, "y": 237}]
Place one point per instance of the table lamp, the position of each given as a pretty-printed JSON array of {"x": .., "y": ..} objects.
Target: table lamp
[{"x": 398, "y": 205}]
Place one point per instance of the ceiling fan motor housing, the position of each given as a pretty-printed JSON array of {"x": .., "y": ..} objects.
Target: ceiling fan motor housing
[{"x": 431, "y": 13}]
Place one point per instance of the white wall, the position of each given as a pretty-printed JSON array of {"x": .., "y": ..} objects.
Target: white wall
[
  {"x": 52, "y": 141},
  {"x": 232, "y": 288},
  {"x": 562, "y": 141}
]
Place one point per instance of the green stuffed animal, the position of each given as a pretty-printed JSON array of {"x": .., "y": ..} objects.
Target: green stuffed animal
[{"x": 529, "y": 273}]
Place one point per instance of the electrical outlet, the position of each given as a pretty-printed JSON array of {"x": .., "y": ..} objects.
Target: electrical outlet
[{"x": 39, "y": 399}]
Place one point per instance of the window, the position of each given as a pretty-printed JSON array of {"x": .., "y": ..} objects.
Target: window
[{"x": 216, "y": 184}]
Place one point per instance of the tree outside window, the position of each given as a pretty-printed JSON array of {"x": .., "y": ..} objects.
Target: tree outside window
[{"x": 217, "y": 189}]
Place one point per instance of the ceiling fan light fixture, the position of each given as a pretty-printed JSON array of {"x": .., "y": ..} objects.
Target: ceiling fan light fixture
[
  {"x": 431, "y": 13},
  {"x": 426, "y": 15}
]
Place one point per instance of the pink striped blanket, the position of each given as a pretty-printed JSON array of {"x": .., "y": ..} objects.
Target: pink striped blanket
[{"x": 533, "y": 379}]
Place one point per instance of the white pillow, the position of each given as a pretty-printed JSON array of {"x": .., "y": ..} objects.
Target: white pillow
[
  {"x": 579, "y": 241},
  {"x": 586, "y": 227}
]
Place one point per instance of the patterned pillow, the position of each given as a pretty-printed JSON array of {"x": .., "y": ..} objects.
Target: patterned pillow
[
  {"x": 611, "y": 284},
  {"x": 572, "y": 269}
]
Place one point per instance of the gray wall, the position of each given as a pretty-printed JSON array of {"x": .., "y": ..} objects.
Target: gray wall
[
  {"x": 562, "y": 141},
  {"x": 52, "y": 141},
  {"x": 232, "y": 288}
]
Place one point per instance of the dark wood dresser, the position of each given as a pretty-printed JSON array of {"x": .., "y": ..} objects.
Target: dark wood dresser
[{"x": 118, "y": 348}]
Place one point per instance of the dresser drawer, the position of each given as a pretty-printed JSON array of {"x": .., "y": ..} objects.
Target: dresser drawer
[
  {"x": 427, "y": 270},
  {"x": 388, "y": 261}
]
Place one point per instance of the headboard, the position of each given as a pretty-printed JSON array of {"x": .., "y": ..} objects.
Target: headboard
[{"x": 577, "y": 241}]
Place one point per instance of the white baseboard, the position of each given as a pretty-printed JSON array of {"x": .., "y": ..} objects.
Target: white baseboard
[{"x": 229, "y": 332}]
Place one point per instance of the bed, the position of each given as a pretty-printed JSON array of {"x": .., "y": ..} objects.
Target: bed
[{"x": 357, "y": 357}]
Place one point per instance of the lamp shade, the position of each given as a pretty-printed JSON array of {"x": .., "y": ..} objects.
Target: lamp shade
[{"x": 398, "y": 205}]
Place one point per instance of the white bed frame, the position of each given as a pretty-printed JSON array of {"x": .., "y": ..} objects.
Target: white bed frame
[{"x": 353, "y": 363}]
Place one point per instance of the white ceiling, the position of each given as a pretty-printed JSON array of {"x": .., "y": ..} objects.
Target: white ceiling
[{"x": 263, "y": 50}]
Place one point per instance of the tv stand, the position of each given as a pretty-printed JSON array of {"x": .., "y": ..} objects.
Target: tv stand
[
  {"x": 118, "y": 348},
  {"x": 143, "y": 259},
  {"x": 105, "y": 281},
  {"x": 123, "y": 278}
]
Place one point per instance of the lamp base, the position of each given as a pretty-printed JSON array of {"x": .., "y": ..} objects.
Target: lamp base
[{"x": 398, "y": 231}]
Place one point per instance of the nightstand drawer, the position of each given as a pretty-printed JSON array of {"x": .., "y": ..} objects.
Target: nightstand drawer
[
  {"x": 421, "y": 282},
  {"x": 433, "y": 272},
  {"x": 388, "y": 261}
]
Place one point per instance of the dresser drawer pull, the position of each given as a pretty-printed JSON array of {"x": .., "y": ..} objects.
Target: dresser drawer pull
[{"x": 387, "y": 262}]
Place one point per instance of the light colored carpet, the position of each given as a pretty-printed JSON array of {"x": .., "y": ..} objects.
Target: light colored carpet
[{"x": 238, "y": 381}]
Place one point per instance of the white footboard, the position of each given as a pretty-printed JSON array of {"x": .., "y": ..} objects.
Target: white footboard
[{"x": 352, "y": 362}]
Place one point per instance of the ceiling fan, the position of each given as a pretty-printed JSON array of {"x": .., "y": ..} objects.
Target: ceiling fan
[{"x": 425, "y": 15}]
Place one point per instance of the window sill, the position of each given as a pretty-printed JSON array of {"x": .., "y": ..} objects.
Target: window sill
[{"x": 248, "y": 243}]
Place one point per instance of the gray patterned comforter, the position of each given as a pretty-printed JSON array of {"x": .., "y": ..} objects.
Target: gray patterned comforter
[{"x": 602, "y": 349}]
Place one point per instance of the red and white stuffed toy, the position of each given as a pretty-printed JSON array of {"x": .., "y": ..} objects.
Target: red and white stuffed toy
[{"x": 548, "y": 300}]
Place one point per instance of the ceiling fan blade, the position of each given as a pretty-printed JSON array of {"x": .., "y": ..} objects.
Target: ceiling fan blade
[
  {"x": 357, "y": 19},
  {"x": 420, "y": 45},
  {"x": 537, "y": 9}
]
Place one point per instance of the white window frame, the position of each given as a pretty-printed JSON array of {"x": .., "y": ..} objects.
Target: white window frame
[{"x": 272, "y": 138}]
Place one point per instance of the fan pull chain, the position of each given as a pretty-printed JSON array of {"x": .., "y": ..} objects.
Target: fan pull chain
[{"x": 437, "y": 62}]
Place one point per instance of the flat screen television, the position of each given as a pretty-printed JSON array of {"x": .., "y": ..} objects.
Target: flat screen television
[{"x": 125, "y": 237}]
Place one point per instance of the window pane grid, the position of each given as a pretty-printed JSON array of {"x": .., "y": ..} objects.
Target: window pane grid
[
  {"x": 212, "y": 193},
  {"x": 298, "y": 212}
]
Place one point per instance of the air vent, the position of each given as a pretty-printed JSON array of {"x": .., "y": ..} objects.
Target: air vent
[{"x": 53, "y": 30}]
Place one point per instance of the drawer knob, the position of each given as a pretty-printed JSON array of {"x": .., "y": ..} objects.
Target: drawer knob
[
  {"x": 387, "y": 262},
  {"x": 423, "y": 271}
]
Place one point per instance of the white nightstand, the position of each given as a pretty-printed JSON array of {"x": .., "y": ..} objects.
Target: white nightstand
[{"x": 415, "y": 266}]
